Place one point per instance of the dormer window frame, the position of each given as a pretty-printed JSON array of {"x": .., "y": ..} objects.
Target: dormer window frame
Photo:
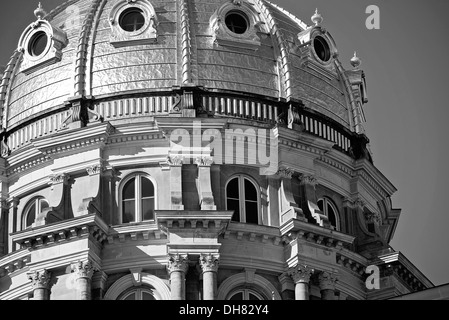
[
  {"x": 52, "y": 53},
  {"x": 224, "y": 36},
  {"x": 146, "y": 34}
]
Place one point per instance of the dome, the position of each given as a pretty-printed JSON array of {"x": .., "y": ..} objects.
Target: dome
[
  {"x": 134, "y": 156},
  {"x": 247, "y": 50}
]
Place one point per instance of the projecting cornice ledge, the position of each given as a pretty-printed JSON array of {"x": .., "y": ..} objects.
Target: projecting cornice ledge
[
  {"x": 295, "y": 229},
  {"x": 193, "y": 232},
  {"x": 71, "y": 141}
]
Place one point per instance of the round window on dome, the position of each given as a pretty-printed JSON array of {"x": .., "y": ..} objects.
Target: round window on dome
[
  {"x": 322, "y": 49},
  {"x": 132, "y": 19},
  {"x": 38, "y": 44},
  {"x": 237, "y": 22}
]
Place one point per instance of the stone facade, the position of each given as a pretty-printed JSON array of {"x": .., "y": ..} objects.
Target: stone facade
[{"x": 101, "y": 200}]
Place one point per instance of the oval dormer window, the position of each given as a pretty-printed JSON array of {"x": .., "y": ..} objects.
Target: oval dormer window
[
  {"x": 132, "y": 19},
  {"x": 322, "y": 49},
  {"x": 237, "y": 22},
  {"x": 38, "y": 44}
]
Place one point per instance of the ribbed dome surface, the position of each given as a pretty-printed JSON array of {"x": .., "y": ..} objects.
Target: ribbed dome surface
[{"x": 192, "y": 47}]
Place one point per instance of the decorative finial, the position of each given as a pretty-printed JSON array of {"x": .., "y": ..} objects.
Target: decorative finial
[
  {"x": 40, "y": 12},
  {"x": 355, "y": 61},
  {"x": 317, "y": 18}
]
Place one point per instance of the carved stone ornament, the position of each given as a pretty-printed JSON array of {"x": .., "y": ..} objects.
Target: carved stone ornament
[
  {"x": 209, "y": 262},
  {"x": 147, "y": 34},
  {"x": 204, "y": 161},
  {"x": 56, "y": 41},
  {"x": 175, "y": 160},
  {"x": 301, "y": 273},
  {"x": 372, "y": 217},
  {"x": 309, "y": 179},
  {"x": 40, "y": 279},
  {"x": 285, "y": 172},
  {"x": 83, "y": 269},
  {"x": 178, "y": 263},
  {"x": 327, "y": 281},
  {"x": 59, "y": 178},
  {"x": 95, "y": 169}
]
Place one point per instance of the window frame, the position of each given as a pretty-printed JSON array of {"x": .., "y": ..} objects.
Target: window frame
[
  {"x": 138, "y": 200},
  {"x": 327, "y": 201},
  {"x": 246, "y": 292},
  {"x": 241, "y": 181},
  {"x": 37, "y": 201},
  {"x": 137, "y": 290}
]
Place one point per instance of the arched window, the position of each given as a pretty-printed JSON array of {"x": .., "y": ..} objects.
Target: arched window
[
  {"x": 242, "y": 196},
  {"x": 137, "y": 199},
  {"x": 245, "y": 294},
  {"x": 331, "y": 212},
  {"x": 32, "y": 210},
  {"x": 137, "y": 294}
]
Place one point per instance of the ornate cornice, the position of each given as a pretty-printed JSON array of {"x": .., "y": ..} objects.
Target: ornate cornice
[
  {"x": 327, "y": 281},
  {"x": 40, "y": 279},
  {"x": 209, "y": 262},
  {"x": 178, "y": 263},
  {"x": 83, "y": 269},
  {"x": 301, "y": 273}
]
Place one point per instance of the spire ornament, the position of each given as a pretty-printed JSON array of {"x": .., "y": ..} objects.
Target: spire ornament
[
  {"x": 40, "y": 13},
  {"x": 355, "y": 61},
  {"x": 317, "y": 18}
]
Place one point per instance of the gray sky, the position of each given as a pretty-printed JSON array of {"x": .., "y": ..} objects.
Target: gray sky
[{"x": 406, "y": 66}]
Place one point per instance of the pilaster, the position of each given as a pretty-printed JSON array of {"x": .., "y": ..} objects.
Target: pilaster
[
  {"x": 308, "y": 185},
  {"x": 205, "y": 183}
]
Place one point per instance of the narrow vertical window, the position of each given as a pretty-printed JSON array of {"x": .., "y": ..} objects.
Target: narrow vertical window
[
  {"x": 329, "y": 209},
  {"x": 242, "y": 196},
  {"x": 32, "y": 210},
  {"x": 138, "y": 200}
]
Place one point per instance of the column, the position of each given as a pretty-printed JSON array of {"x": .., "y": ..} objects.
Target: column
[
  {"x": 41, "y": 284},
  {"x": 327, "y": 285},
  {"x": 177, "y": 268},
  {"x": 83, "y": 272},
  {"x": 209, "y": 265},
  {"x": 301, "y": 276}
]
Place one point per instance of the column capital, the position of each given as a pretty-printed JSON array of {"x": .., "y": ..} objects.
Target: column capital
[
  {"x": 178, "y": 263},
  {"x": 301, "y": 273},
  {"x": 83, "y": 269},
  {"x": 209, "y": 262},
  {"x": 40, "y": 279},
  {"x": 59, "y": 178},
  {"x": 308, "y": 179},
  {"x": 175, "y": 160},
  {"x": 327, "y": 280},
  {"x": 204, "y": 161},
  {"x": 285, "y": 172}
]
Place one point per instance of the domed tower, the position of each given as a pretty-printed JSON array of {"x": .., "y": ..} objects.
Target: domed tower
[{"x": 186, "y": 149}]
